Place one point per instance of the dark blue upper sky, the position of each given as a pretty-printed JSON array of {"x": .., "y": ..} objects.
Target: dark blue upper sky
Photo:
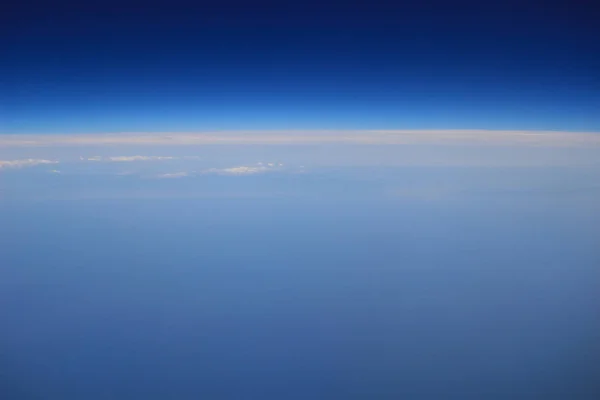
[{"x": 152, "y": 67}]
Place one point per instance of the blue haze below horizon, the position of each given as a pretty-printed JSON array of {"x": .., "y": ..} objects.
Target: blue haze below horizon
[{"x": 334, "y": 291}]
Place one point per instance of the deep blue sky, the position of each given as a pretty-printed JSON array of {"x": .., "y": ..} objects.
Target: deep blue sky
[{"x": 152, "y": 67}]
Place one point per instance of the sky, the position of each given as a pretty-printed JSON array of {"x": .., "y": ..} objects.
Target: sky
[
  {"x": 129, "y": 67},
  {"x": 299, "y": 201},
  {"x": 300, "y": 264}
]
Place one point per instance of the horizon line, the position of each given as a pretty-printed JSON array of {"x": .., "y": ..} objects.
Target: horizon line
[{"x": 306, "y": 136}]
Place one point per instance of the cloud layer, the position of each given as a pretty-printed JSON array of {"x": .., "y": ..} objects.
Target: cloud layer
[{"x": 446, "y": 137}]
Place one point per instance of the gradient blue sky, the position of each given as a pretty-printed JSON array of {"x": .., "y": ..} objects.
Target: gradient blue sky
[
  {"x": 320, "y": 232},
  {"x": 148, "y": 67}
]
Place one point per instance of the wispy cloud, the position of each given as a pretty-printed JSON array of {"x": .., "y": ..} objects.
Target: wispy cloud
[
  {"x": 242, "y": 170},
  {"x": 181, "y": 174},
  {"x": 139, "y": 158},
  {"x": 245, "y": 170},
  {"x": 28, "y": 162},
  {"x": 134, "y": 158}
]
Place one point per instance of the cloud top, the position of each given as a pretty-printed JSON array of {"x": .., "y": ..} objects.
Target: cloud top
[
  {"x": 173, "y": 175},
  {"x": 139, "y": 158},
  {"x": 244, "y": 169},
  {"x": 131, "y": 158},
  {"x": 28, "y": 162},
  {"x": 447, "y": 137}
]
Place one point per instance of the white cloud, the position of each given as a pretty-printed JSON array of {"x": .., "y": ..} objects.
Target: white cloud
[
  {"x": 173, "y": 175},
  {"x": 28, "y": 162},
  {"x": 243, "y": 170},
  {"x": 134, "y": 158},
  {"x": 140, "y": 158}
]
